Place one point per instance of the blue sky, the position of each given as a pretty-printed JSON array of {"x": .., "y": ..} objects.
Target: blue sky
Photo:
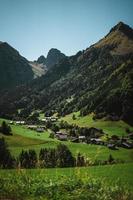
[{"x": 35, "y": 26}]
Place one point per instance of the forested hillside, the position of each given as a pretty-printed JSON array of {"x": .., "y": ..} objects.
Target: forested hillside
[
  {"x": 98, "y": 79},
  {"x": 14, "y": 69}
]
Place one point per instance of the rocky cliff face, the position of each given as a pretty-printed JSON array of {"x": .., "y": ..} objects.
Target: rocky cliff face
[{"x": 54, "y": 57}]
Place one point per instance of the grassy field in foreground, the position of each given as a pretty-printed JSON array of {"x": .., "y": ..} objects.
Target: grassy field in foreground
[
  {"x": 109, "y": 173},
  {"x": 109, "y": 127},
  {"x": 96, "y": 183},
  {"x": 113, "y": 182}
]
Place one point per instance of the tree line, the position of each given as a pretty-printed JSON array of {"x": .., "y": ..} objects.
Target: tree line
[
  {"x": 47, "y": 158},
  {"x": 54, "y": 157}
]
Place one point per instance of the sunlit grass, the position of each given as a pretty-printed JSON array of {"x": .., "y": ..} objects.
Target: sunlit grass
[
  {"x": 24, "y": 138},
  {"x": 109, "y": 127}
]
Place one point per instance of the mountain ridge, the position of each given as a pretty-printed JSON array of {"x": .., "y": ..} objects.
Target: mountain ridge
[
  {"x": 127, "y": 30},
  {"x": 120, "y": 38},
  {"x": 14, "y": 69},
  {"x": 98, "y": 79},
  {"x": 42, "y": 64}
]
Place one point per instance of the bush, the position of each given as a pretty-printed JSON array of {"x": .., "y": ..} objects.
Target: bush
[
  {"x": 54, "y": 128},
  {"x": 52, "y": 135},
  {"x": 73, "y": 117},
  {"x": 5, "y": 128},
  {"x": 111, "y": 159},
  {"x": 80, "y": 160},
  {"x": 127, "y": 130}
]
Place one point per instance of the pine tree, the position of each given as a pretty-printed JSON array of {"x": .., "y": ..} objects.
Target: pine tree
[
  {"x": 32, "y": 159},
  {"x": 23, "y": 159},
  {"x": 28, "y": 159},
  {"x": 64, "y": 156},
  {"x": 6, "y": 159}
]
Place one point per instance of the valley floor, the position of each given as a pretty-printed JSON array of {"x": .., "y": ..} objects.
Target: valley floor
[
  {"x": 115, "y": 181},
  {"x": 24, "y": 138}
]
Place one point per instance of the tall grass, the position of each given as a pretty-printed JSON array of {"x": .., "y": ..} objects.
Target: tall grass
[{"x": 24, "y": 186}]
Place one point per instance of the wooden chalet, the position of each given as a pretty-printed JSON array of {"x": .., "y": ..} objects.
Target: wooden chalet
[
  {"x": 61, "y": 136},
  {"x": 97, "y": 141}
]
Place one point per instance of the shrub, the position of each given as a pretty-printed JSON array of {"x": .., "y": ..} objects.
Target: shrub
[{"x": 5, "y": 128}]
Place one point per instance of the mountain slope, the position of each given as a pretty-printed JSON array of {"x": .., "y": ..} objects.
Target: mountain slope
[
  {"x": 14, "y": 69},
  {"x": 98, "y": 79},
  {"x": 39, "y": 69},
  {"x": 121, "y": 37}
]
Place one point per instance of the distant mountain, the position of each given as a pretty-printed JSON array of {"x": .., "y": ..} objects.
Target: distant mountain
[
  {"x": 14, "y": 69},
  {"x": 41, "y": 60},
  {"x": 42, "y": 64},
  {"x": 54, "y": 57},
  {"x": 98, "y": 79}
]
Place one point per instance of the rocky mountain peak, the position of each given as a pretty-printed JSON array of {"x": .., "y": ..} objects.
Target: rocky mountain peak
[
  {"x": 54, "y": 56},
  {"x": 124, "y": 28},
  {"x": 41, "y": 59}
]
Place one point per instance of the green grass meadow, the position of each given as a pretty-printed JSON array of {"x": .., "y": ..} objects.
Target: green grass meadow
[
  {"x": 95, "y": 183},
  {"x": 24, "y": 138},
  {"x": 105, "y": 182},
  {"x": 110, "y": 173},
  {"x": 109, "y": 127}
]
